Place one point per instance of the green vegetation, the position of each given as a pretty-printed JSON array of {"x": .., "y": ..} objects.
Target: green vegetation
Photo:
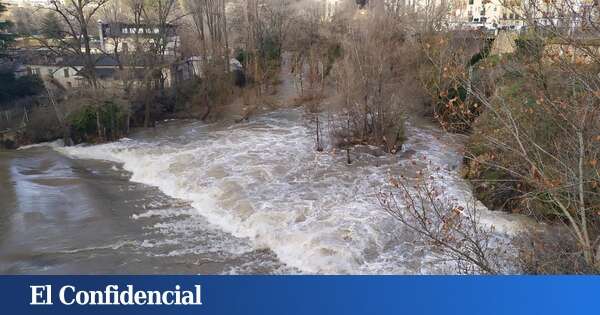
[{"x": 104, "y": 120}]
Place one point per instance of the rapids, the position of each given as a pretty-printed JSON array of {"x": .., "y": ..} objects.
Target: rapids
[{"x": 263, "y": 182}]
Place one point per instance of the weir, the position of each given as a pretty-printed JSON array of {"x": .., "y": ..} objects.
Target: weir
[{"x": 264, "y": 182}]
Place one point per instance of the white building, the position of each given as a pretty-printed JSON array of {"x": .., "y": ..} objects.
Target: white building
[
  {"x": 66, "y": 71},
  {"x": 511, "y": 13},
  {"x": 127, "y": 37},
  {"x": 28, "y": 3},
  {"x": 491, "y": 13}
]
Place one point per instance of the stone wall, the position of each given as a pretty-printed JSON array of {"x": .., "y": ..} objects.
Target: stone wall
[{"x": 504, "y": 43}]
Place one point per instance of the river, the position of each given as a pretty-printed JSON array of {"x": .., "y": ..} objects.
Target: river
[{"x": 195, "y": 198}]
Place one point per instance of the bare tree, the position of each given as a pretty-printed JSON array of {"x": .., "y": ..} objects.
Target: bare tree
[
  {"x": 151, "y": 50},
  {"x": 453, "y": 230},
  {"x": 369, "y": 82},
  {"x": 210, "y": 24},
  {"x": 75, "y": 40},
  {"x": 540, "y": 137}
]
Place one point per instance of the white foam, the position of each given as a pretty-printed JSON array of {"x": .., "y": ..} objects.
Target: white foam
[
  {"x": 263, "y": 181},
  {"x": 53, "y": 144}
]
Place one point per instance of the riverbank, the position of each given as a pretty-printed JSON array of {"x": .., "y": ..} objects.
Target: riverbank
[{"x": 259, "y": 179}]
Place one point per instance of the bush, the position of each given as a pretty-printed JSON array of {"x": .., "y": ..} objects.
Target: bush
[
  {"x": 447, "y": 70},
  {"x": 371, "y": 106},
  {"x": 83, "y": 121},
  {"x": 92, "y": 123},
  {"x": 43, "y": 126},
  {"x": 529, "y": 46},
  {"x": 535, "y": 148},
  {"x": 492, "y": 170},
  {"x": 552, "y": 251}
]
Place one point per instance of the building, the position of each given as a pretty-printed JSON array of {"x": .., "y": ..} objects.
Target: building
[
  {"x": 67, "y": 71},
  {"x": 28, "y": 3},
  {"x": 490, "y": 14},
  {"x": 126, "y": 37},
  {"x": 111, "y": 73},
  {"x": 514, "y": 14}
]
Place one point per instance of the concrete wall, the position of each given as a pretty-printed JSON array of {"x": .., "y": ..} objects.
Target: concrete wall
[{"x": 504, "y": 43}]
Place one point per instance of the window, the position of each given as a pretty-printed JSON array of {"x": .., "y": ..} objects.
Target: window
[
  {"x": 36, "y": 71},
  {"x": 66, "y": 72},
  {"x": 470, "y": 1}
]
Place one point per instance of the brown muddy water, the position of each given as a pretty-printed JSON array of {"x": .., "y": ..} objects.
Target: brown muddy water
[
  {"x": 192, "y": 198},
  {"x": 65, "y": 216}
]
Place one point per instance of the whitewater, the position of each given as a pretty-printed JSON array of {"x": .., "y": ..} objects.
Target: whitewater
[{"x": 264, "y": 182}]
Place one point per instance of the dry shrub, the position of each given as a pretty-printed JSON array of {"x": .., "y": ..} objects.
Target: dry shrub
[
  {"x": 446, "y": 71},
  {"x": 90, "y": 115},
  {"x": 535, "y": 148},
  {"x": 452, "y": 229},
  {"x": 551, "y": 251},
  {"x": 368, "y": 82},
  {"x": 43, "y": 126}
]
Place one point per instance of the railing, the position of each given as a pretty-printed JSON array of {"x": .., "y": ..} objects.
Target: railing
[{"x": 13, "y": 119}]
